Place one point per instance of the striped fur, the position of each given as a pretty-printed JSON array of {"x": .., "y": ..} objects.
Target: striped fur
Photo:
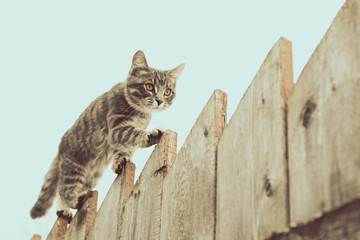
[{"x": 109, "y": 129}]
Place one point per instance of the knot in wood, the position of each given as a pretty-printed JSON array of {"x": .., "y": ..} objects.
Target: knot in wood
[
  {"x": 268, "y": 188},
  {"x": 306, "y": 114}
]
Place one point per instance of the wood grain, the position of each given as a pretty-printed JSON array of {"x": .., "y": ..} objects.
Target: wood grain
[
  {"x": 252, "y": 180},
  {"x": 189, "y": 192},
  {"x": 58, "y": 230},
  {"x": 323, "y": 120},
  {"x": 83, "y": 219},
  {"x": 141, "y": 216},
  {"x": 105, "y": 225}
]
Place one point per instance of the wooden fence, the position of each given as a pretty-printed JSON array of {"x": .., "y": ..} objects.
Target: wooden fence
[{"x": 286, "y": 166}]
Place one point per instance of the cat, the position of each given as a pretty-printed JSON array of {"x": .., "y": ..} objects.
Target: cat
[{"x": 110, "y": 128}]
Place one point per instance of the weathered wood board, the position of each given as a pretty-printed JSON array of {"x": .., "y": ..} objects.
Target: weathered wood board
[
  {"x": 84, "y": 217},
  {"x": 189, "y": 192},
  {"x": 141, "y": 216},
  {"x": 252, "y": 180},
  {"x": 36, "y": 237},
  {"x": 105, "y": 225},
  {"x": 324, "y": 122},
  {"x": 58, "y": 230},
  {"x": 340, "y": 224}
]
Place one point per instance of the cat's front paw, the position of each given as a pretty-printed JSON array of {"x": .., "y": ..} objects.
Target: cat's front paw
[
  {"x": 154, "y": 136},
  {"x": 119, "y": 164}
]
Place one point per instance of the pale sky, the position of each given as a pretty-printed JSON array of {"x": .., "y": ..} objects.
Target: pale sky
[{"x": 58, "y": 56}]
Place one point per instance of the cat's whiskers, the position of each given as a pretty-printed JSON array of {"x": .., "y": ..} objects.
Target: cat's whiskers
[
  {"x": 129, "y": 115},
  {"x": 146, "y": 105},
  {"x": 131, "y": 111}
]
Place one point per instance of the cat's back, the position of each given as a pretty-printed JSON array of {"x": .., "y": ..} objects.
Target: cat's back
[
  {"x": 95, "y": 114},
  {"x": 90, "y": 129}
]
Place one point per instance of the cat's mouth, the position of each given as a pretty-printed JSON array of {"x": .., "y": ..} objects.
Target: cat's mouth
[{"x": 155, "y": 106}]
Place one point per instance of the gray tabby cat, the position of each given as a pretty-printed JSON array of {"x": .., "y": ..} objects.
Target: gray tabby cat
[{"x": 111, "y": 127}]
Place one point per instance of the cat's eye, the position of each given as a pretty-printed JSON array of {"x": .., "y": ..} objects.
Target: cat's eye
[
  {"x": 167, "y": 92},
  {"x": 149, "y": 87}
]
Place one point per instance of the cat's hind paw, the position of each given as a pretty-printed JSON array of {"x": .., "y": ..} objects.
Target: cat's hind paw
[
  {"x": 82, "y": 199},
  {"x": 64, "y": 214},
  {"x": 119, "y": 164}
]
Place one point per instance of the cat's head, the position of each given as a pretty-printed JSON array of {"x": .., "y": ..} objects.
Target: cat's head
[{"x": 149, "y": 89}]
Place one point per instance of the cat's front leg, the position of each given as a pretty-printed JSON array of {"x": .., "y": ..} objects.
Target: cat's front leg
[
  {"x": 120, "y": 158},
  {"x": 140, "y": 139},
  {"x": 130, "y": 136},
  {"x": 147, "y": 139}
]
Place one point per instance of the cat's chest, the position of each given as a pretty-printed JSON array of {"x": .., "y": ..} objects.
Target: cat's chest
[{"x": 142, "y": 121}]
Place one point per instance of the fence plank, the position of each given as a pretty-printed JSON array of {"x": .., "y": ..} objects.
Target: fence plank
[
  {"x": 252, "y": 164},
  {"x": 83, "y": 219},
  {"x": 105, "y": 225},
  {"x": 323, "y": 120},
  {"x": 141, "y": 216},
  {"x": 188, "y": 206},
  {"x": 36, "y": 237},
  {"x": 58, "y": 230}
]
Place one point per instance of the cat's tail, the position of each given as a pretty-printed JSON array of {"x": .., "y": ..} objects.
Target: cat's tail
[{"x": 48, "y": 191}]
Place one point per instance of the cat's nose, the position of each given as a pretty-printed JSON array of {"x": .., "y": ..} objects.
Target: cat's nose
[{"x": 159, "y": 101}]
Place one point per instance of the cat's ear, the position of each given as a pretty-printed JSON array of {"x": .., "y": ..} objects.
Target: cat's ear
[
  {"x": 176, "y": 72},
  {"x": 139, "y": 60}
]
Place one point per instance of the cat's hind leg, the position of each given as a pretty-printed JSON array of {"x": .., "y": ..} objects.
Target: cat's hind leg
[
  {"x": 64, "y": 211},
  {"x": 73, "y": 184}
]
